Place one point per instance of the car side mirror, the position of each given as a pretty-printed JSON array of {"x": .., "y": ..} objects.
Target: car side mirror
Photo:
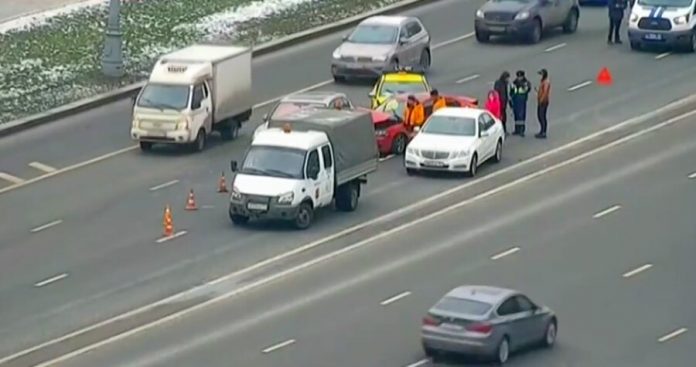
[
  {"x": 265, "y": 117},
  {"x": 371, "y": 94},
  {"x": 484, "y": 134},
  {"x": 402, "y": 41},
  {"x": 345, "y": 37},
  {"x": 416, "y": 128},
  {"x": 233, "y": 166}
]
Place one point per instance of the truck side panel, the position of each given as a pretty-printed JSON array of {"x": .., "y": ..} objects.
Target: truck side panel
[
  {"x": 232, "y": 93},
  {"x": 356, "y": 171}
]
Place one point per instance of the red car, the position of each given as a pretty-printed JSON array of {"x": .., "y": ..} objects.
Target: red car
[{"x": 392, "y": 135}]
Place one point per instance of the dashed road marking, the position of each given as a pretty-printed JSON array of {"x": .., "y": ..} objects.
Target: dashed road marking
[
  {"x": 42, "y": 167},
  {"x": 50, "y": 280},
  {"x": 386, "y": 158},
  {"x": 637, "y": 270},
  {"x": 578, "y": 86},
  {"x": 692, "y": 176},
  {"x": 468, "y": 79},
  {"x": 47, "y": 226},
  {"x": 662, "y": 56},
  {"x": 175, "y": 235},
  {"x": 672, "y": 335},
  {"x": 393, "y": 299},
  {"x": 556, "y": 47},
  {"x": 166, "y": 184},
  {"x": 420, "y": 363},
  {"x": 453, "y": 40},
  {"x": 13, "y": 179},
  {"x": 509, "y": 252},
  {"x": 606, "y": 211},
  {"x": 281, "y": 345}
]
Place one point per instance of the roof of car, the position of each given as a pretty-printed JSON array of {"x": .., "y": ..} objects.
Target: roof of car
[
  {"x": 313, "y": 97},
  {"x": 400, "y": 76},
  {"x": 386, "y": 19},
  {"x": 459, "y": 112},
  {"x": 483, "y": 293}
]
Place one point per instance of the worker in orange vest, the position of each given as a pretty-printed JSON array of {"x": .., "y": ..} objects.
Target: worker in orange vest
[
  {"x": 415, "y": 112},
  {"x": 438, "y": 100}
]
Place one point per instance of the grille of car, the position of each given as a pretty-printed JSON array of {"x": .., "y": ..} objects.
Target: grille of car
[
  {"x": 658, "y": 24},
  {"x": 433, "y": 154},
  {"x": 258, "y": 199},
  {"x": 497, "y": 16},
  {"x": 364, "y": 59}
]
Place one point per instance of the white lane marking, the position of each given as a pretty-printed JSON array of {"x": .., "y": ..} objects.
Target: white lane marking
[
  {"x": 166, "y": 184},
  {"x": 662, "y": 56},
  {"x": 393, "y": 299},
  {"x": 309, "y": 246},
  {"x": 420, "y": 363},
  {"x": 22, "y": 183},
  {"x": 390, "y": 156},
  {"x": 556, "y": 47},
  {"x": 692, "y": 176},
  {"x": 672, "y": 335},
  {"x": 14, "y": 179},
  {"x": 468, "y": 79},
  {"x": 606, "y": 211},
  {"x": 51, "y": 280},
  {"x": 578, "y": 86},
  {"x": 175, "y": 235},
  {"x": 637, "y": 270},
  {"x": 47, "y": 226},
  {"x": 505, "y": 253},
  {"x": 42, "y": 167},
  {"x": 275, "y": 347}
]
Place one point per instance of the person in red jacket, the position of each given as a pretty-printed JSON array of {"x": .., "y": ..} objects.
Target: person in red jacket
[{"x": 493, "y": 104}]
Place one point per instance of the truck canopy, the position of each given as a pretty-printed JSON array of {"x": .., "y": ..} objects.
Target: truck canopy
[{"x": 350, "y": 132}]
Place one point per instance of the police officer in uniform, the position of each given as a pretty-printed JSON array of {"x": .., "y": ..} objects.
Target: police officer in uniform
[
  {"x": 616, "y": 14},
  {"x": 519, "y": 94}
]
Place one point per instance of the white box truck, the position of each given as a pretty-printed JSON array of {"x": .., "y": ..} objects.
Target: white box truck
[
  {"x": 302, "y": 163},
  {"x": 191, "y": 93}
]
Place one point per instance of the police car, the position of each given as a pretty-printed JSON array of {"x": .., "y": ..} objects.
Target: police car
[{"x": 663, "y": 22}]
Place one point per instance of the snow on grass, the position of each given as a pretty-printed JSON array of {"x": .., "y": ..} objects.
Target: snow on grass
[{"x": 55, "y": 60}]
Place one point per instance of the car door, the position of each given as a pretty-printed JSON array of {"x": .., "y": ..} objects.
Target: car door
[
  {"x": 483, "y": 145},
  {"x": 417, "y": 39},
  {"x": 536, "y": 324},
  {"x": 493, "y": 132},
  {"x": 564, "y": 7},
  {"x": 517, "y": 322},
  {"x": 404, "y": 48},
  {"x": 327, "y": 187},
  {"x": 547, "y": 10},
  {"x": 200, "y": 110},
  {"x": 313, "y": 172}
]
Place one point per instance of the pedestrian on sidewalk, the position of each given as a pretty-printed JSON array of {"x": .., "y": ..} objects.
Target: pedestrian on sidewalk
[
  {"x": 502, "y": 86},
  {"x": 543, "y": 94},
  {"x": 519, "y": 96}
]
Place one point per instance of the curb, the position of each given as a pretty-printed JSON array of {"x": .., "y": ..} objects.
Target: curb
[{"x": 25, "y": 123}]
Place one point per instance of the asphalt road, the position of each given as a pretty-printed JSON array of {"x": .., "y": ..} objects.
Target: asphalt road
[
  {"x": 620, "y": 280},
  {"x": 102, "y": 250}
]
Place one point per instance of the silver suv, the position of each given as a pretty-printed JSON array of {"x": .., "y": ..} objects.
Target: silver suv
[{"x": 382, "y": 43}]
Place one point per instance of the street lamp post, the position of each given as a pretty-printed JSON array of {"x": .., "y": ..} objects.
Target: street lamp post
[{"x": 112, "y": 57}]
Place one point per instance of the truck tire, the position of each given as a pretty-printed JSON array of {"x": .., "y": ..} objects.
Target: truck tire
[
  {"x": 145, "y": 146},
  {"x": 199, "y": 144},
  {"x": 305, "y": 216},
  {"x": 347, "y": 196},
  {"x": 230, "y": 130}
]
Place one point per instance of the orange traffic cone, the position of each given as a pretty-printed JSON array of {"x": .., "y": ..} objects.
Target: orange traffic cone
[
  {"x": 222, "y": 184},
  {"x": 604, "y": 77},
  {"x": 168, "y": 222},
  {"x": 191, "y": 202}
]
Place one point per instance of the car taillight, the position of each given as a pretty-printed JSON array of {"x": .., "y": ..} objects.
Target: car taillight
[
  {"x": 480, "y": 327},
  {"x": 430, "y": 321}
]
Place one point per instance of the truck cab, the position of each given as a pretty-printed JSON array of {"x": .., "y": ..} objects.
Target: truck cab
[{"x": 663, "y": 23}]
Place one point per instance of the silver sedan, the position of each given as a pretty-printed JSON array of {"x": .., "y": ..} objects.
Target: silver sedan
[{"x": 487, "y": 322}]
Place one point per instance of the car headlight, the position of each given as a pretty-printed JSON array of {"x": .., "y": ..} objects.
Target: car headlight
[
  {"x": 381, "y": 132},
  {"x": 235, "y": 195},
  {"x": 633, "y": 18},
  {"x": 286, "y": 198},
  {"x": 522, "y": 15},
  {"x": 682, "y": 19},
  {"x": 182, "y": 125},
  {"x": 336, "y": 54},
  {"x": 380, "y": 58},
  {"x": 136, "y": 124},
  {"x": 480, "y": 13},
  {"x": 412, "y": 151},
  {"x": 460, "y": 153}
]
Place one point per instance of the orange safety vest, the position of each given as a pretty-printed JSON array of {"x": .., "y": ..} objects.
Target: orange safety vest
[
  {"x": 439, "y": 103},
  {"x": 415, "y": 116}
]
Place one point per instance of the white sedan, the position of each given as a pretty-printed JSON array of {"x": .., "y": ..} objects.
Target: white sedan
[{"x": 455, "y": 140}]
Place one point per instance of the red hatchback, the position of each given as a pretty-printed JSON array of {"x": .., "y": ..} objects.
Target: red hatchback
[{"x": 392, "y": 135}]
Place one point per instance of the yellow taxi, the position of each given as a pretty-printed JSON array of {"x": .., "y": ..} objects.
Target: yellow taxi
[{"x": 402, "y": 81}]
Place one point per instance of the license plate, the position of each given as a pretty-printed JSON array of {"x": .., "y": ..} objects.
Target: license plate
[
  {"x": 496, "y": 29},
  {"x": 451, "y": 327},
  {"x": 433, "y": 163},
  {"x": 653, "y": 36},
  {"x": 257, "y": 206},
  {"x": 157, "y": 133}
]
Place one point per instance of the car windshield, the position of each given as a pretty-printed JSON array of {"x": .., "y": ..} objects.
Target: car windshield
[
  {"x": 403, "y": 87},
  {"x": 450, "y": 125},
  {"x": 374, "y": 34},
  {"x": 666, "y": 3},
  {"x": 465, "y": 306},
  {"x": 393, "y": 106},
  {"x": 274, "y": 162},
  {"x": 286, "y": 108},
  {"x": 163, "y": 96}
]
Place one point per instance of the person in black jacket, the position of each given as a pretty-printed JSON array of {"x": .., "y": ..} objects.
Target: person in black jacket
[
  {"x": 617, "y": 8},
  {"x": 502, "y": 86}
]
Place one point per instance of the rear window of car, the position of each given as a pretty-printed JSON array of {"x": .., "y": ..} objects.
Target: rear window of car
[
  {"x": 287, "y": 108},
  {"x": 465, "y": 306}
]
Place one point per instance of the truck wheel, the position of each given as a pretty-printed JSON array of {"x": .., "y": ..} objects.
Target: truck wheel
[
  {"x": 199, "y": 144},
  {"x": 230, "y": 131},
  {"x": 571, "y": 23},
  {"x": 145, "y": 146},
  {"x": 305, "y": 216},
  {"x": 347, "y": 197},
  {"x": 239, "y": 219}
]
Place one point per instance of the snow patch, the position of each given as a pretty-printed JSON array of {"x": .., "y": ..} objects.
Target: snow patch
[{"x": 40, "y": 18}]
